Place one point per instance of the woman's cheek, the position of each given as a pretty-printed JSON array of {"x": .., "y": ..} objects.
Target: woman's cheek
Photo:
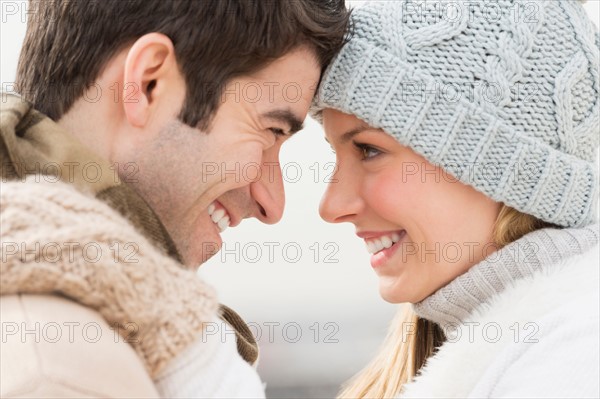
[
  {"x": 400, "y": 192},
  {"x": 384, "y": 193}
]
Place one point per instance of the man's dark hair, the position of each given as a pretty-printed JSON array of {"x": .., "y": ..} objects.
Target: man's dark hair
[{"x": 69, "y": 42}]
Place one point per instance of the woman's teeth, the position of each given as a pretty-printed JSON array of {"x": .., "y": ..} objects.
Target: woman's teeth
[
  {"x": 375, "y": 245},
  {"x": 219, "y": 217}
]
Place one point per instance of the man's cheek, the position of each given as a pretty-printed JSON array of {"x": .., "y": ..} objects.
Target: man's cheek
[{"x": 209, "y": 172}]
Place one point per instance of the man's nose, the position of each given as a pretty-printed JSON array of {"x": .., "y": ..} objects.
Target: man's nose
[
  {"x": 342, "y": 200},
  {"x": 268, "y": 192}
]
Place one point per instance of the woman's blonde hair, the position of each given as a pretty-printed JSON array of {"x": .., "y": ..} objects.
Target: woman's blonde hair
[{"x": 411, "y": 340}]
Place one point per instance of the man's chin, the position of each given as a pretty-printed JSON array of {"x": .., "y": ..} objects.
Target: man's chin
[
  {"x": 198, "y": 256},
  {"x": 207, "y": 255},
  {"x": 197, "y": 242}
]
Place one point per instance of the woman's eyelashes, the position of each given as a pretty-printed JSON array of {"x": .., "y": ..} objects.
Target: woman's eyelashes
[{"x": 367, "y": 151}]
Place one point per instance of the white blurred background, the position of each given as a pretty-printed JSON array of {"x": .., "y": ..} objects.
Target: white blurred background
[{"x": 306, "y": 287}]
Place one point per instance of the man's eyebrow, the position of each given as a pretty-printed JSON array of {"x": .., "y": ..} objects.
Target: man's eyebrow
[{"x": 294, "y": 123}]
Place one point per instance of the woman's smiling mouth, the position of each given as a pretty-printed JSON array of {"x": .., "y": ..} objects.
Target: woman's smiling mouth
[{"x": 383, "y": 245}]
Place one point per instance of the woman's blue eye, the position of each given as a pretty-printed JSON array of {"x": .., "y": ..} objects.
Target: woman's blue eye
[{"x": 367, "y": 151}]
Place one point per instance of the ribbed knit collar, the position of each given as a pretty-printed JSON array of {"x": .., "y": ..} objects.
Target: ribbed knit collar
[{"x": 542, "y": 249}]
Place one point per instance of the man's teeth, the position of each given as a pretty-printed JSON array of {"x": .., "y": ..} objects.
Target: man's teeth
[
  {"x": 219, "y": 217},
  {"x": 377, "y": 244}
]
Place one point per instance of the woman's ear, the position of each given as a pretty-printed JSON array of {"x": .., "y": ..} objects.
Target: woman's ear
[{"x": 149, "y": 66}]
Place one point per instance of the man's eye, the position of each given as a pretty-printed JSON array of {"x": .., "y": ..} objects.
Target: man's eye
[{"x": 277, "y": 131}]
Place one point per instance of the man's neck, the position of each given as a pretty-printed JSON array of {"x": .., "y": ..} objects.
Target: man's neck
[
  {"x": 87, "y": 122},
  {"x": 94, "y": 117}
]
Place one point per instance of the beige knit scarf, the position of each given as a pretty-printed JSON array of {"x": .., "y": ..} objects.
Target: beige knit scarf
[{"x": 71, "y": 227}]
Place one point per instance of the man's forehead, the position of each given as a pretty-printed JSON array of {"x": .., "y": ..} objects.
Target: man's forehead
[{"x": 301, "y": 62}]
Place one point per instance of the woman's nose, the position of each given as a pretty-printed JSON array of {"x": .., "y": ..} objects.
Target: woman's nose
[{"x": 341, "y": 201}]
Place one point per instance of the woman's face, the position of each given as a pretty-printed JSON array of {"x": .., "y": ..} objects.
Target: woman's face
[{"x": 422, "y": 227}]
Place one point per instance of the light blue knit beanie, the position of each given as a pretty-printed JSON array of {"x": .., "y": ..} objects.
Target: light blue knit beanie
[{"x": 504, "y": 95}]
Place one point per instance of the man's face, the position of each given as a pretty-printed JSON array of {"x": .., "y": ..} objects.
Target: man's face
[{"x": 231, "y": 172}]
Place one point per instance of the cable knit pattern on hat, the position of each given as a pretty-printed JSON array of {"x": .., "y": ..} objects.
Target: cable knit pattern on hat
[
  {"x": 504, "y": 95},
  {"x": 48, "y": 245}
]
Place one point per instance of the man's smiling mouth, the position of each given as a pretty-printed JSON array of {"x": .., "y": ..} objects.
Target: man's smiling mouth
[{"x": 219, "y": 216}]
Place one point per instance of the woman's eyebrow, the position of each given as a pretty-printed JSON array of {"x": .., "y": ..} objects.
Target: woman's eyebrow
[{"x": 345, "y": 137}]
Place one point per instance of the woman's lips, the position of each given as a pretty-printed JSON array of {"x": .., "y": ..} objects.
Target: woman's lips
[{"x": 383, "y": 255}]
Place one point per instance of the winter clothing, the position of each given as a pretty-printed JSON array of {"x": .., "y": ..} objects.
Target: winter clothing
[
  {"x": 521, "y": 323},
  {"x": 209, "y": 369},
  {"x": 535, "y": 252},
  {"x": 53, "y": 347},
  {"x": 503, "y": 95},
  {"x": 71, "y": 227}
]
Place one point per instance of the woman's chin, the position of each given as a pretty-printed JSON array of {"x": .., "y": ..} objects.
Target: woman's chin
[
  {"x": 393, "y": 295},
  {"x": 397, "y": 293}
]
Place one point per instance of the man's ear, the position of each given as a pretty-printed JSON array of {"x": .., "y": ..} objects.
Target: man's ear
[{"x": 150, "y": 63}]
